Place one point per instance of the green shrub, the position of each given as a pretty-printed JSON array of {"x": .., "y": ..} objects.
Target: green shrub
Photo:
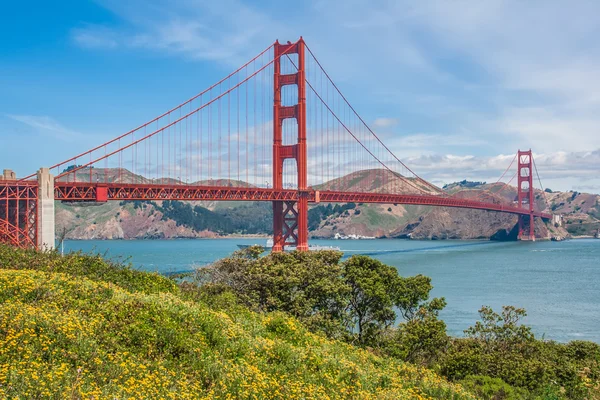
[
  {"x": 486, "y": 388},
  {"x": 91, "y": 266},
  {"x": 500, "y": 347}
]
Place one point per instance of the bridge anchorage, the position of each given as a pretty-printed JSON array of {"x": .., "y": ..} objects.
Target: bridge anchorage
[{"x": 278, "y": 130}]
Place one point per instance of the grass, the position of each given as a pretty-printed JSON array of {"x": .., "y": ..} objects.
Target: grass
[
  {"x": 82, "y": 327},
  {"x": 92, "y": 267},
  {"x": 586, "y": 228}
]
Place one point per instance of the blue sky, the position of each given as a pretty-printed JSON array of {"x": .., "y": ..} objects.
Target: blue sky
[{"x": 455, "y": 87}]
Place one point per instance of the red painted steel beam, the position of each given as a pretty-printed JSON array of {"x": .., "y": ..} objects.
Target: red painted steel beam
[
  {"x": 12, "y": 235},
  {"x": 423, "y": 200},
  {"x": 18, "y": 202},
  {"x": 76, "y": 191},
  {"x": 81, "y": 191}
]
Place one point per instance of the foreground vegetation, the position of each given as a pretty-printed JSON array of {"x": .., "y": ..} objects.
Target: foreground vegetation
[
  {"x": 360, "y": 299},
  {"x": 82, "y": 327},
  {"x": 292, "y": 325}
]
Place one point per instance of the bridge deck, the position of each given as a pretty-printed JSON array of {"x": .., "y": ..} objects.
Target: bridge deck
[{"x": 75, "y": 191}]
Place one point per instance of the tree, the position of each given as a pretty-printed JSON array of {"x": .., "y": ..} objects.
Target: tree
[
  {"x": 373, "y": 290},
  {"x": 422, "y": 337},
  {"x": 307, "y": 285},
  {"x": 500, "y": 329},
  {"x": 500, "y": 347},
  {"x": 411, "y": 293}
]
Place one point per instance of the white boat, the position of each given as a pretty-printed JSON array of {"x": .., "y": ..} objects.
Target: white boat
[
  {"x": 311, "y": 247},
  {"x": 352, "y": 236}
]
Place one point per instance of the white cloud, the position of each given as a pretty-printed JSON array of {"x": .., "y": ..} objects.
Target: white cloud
[
  {"x": 95, "y": 37},
  {"x": 384, "y": 122},
  {"x": 45, "y": 124},
  {"x": 498, "y": 75},
  {"x": 226, "y": 31},
  {"x": 558, "y": 170}
]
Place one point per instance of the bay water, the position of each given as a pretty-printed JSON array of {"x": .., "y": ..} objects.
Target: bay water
[{"x": 558, "y": 283}]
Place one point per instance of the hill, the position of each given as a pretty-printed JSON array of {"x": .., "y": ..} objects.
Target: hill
[
  {"x": 142, "y": 220},
  {"x": 82, "y": 327}
]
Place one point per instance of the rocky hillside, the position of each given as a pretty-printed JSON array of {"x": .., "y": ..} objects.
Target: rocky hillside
[
  {"x": 115, "y": 220},
  {"x": 137, "y": 220}
]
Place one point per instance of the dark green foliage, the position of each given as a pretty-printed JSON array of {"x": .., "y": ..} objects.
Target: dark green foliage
[
  {"x": 376, "y": 292},
  {"x": 581, "y": 228},
  {"x": 71, "y": 168},
  {"x": 500, "y": 329},
  {"x": 373, "y": 292},
  {"x": 548, "y": 190},
  {"x": 595, "y": 212},
  {"x": 465, "y": 183},
  {"x": 249, "y": 218},
  {"x": 356, "y": 299},
  {"x": 306, "y": 285},
  {"x": 487, "y": 388},
  {"x": 422, "y": 337},
  {"x": 500, "y": 347},
  {"x": 141, "y": 204},
  {"x": 92, "y": 266},
  {"x": 421, "y": 340},
  {"x": 197, "y": 218},
  {"x": 322, "y": 212}
]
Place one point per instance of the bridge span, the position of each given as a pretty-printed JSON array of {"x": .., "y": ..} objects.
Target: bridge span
[{"x": 277, "y": 129}]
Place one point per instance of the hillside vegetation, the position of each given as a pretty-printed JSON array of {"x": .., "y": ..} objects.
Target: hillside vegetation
[
  {"x": 82, "y": 327},
  {"x": 367, "y": 303}
]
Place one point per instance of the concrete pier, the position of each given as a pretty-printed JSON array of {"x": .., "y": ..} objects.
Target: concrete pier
[
  {"x": 8, "y": 175},
  {"x": 46, "y": 222}
]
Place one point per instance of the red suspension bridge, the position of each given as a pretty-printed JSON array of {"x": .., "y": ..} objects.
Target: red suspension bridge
[{"x": 277, "y": 129}]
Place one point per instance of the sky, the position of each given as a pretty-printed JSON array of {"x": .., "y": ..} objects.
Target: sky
[{"x": 454, "y": 87}]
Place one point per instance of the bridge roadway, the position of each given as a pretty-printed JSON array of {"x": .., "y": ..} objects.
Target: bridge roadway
[{"x": 94, "y": 192}]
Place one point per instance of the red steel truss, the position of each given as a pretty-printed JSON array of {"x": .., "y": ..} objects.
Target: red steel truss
[
  {"x": 18, "y": 213},
  {"x": 75, "y": 191}
]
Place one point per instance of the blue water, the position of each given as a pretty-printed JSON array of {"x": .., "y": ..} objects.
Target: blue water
[{"x": 558, "y": 283}]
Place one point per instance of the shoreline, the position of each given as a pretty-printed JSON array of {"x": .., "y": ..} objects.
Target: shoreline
[{"x": 265, "y": 237}]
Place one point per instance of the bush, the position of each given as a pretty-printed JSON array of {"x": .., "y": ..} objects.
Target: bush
[
  {"x": 500, "y": 347},
  {"x": 306, "y": 285},
  {"x": 91, "y": 266},
  {"x": 487, "y": 388}
]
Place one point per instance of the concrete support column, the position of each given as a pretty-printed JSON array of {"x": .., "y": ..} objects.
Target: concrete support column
[
  {"x": 8, "y": 175},
  {"x": 45, "y": 234}
]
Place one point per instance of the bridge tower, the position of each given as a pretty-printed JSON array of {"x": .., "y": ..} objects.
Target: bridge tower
[
  {"x": 290, "y": 219},
  {"x": 525, "y": 193},
  {"x": 45, "y": 217}
]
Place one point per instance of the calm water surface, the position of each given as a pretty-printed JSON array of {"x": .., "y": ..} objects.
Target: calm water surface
[{"x": 557, "y": 282}]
